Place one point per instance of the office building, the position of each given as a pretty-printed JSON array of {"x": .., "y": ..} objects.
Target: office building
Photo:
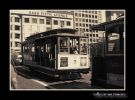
[{"x": 24, "y": 23}]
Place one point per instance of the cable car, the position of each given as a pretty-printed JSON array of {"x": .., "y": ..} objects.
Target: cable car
[{"x": 57, "y": 53}]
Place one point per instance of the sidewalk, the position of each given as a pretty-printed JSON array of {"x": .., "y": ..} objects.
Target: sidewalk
[{"x": 24, "y": 83}]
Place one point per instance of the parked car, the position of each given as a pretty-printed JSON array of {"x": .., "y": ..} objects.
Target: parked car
[{"x": 17, "y": 58}]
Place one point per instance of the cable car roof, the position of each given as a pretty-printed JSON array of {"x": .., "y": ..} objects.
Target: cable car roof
[
  {"x": 103, "y": 26},
  {"x": 56, "y": 32}
]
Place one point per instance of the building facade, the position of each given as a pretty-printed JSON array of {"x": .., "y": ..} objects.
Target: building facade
[
  {"x": 24, "y": 23},
  {"x": 112, "y": 15},
  {"x": 84, "y": 19}
]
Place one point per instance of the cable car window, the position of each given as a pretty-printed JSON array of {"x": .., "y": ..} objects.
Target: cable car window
[
  {"x": 84, "y": 47},
  {"x": 64, "y": 44},
  {"x": 115, "y": 43},
  {"x": 74, "y": 45}
]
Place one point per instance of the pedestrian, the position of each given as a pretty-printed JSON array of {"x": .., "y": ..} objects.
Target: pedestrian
[{"x": 13, "y": 77}]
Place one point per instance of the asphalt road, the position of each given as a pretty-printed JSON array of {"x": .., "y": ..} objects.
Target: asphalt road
[{"x": 32, "y": 80}]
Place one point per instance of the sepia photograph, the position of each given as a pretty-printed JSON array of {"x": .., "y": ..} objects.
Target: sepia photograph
[{"x": 56, "y": 50}]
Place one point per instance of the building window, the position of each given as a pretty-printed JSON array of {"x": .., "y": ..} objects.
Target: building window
[
  {"x": 11, "y": 35},
  {"x": 34, "y": 20},
  {"x": 83, "y": 25},
  {"x": 86, "y": 25},
  {"x": 93, "y": 35},
  {"x": 68, "y": 23},
  {"x": 80, "y": 24},
  {"x": 87, "y": 34},
  {"x": 83, "y": 20},
  {"x": 97, "y": 40},
  {"x": 41, "y": 21},
  {"x": 89, "y": 20},
  {"x": 55, "y": 22},
  {"x": 62, "y": 23},
  {"x": 86, "y": 20},
  {"x": 76, "y": 19},
  {"x": 96, "y": 21},
  {"x": 86, "y": 15},
  {"x": 93, "y": 40},
  {"x": 48, "y": 21},
  {"x": 89, "y": 16},
  {"x": 48, "y": 28},
  {"x": 90, "y": 35},
  {"x": 17, "y": 44},
  {"x": 82, "y": 15},
  {"x": 17, "y": 36},
  {"x": 95, "y": 16},
  {"x": 26, "y": 20},
  {"x": 81, "y": 29},
  {"x": 87, "y": 30},
  {"x": 96, "y": 35},
  {"x": 11, "y": 44},
  {"x": 17, "y": 27},
  {"x": 90, "y": 40},
  {"x": 10, "y": 19},
  {"x": 92, "y": 16},
  {"x": 80, "y": 39},
  {"x": 17, "y": 19},
  {"x": 10, "y": 27},
  {"x": 75, "y": 14},
  {"x": 76, "y": 24},
  {"x": 95, "y": 12},
  {"x": 92, "y": 11}
]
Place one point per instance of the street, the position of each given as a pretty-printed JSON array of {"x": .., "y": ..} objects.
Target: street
[{"x": 28, "y": 79}]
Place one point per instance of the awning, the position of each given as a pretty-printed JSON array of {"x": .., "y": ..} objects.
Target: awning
[{"x": 103, "y": 26}]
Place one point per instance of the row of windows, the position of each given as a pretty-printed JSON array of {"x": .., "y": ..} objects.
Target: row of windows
[
  {"x": 17, "y": 44},
  {"x": 83, "y": 24},
  {"x": 17, "y": 27},
  {"x": 86, "y": 30},
  {"x": 94, "y": 40},
  {"x": 86, "y": 11},
  {"x": 85, "y": 15},
  {"x": 94, "y": 35},
  {"x": 41, "y": 21},
  {"x": 86, "y": 20},
  {"x": 91, "y": 40},
  {"x": 68, "y": 23},
  {"x": 27, "y": 20},
  {"x": 34, "y": 20}
]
